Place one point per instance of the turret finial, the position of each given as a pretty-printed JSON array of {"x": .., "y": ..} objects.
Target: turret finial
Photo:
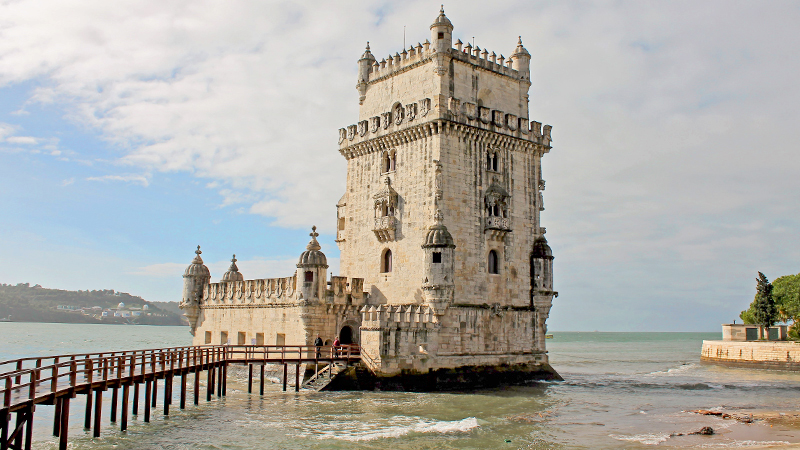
[
  {"x": 313, "y": 233},
  {"x": 442, "y": 9},
  {"x": 519, "y": 42},
  {"x": 367, "y": 45},
  {"x": 234, "y": 258},
  {"x": 198, "y": 252}
]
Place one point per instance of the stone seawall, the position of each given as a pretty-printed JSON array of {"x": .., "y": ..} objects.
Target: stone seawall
[{"x": 771, "y": 355}]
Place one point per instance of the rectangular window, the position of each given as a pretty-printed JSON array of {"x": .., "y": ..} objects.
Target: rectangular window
[
  {"x": 259, "y": 338},
  {"x": 223, "y": 337},
  {"x": 309, "y": 276},
  {"x": 280, "y": 339},
  {"x": 241, "y": 338},
  {"x": 208, "y": 337},
  {"x": 437, "y": 257}
]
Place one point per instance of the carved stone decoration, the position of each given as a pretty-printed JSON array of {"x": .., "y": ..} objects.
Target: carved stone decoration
[
  {"x": 398, "y": 113},
  {"x": 342, "y": 134},
  {"x": 536, "y": 129},
  {"x": 498, "y": 117},
  {"x": 455, "y": 107},
  {"x": 485, "y": 114},
  {"x": 411, "y": 111},
  {"x": 511, "y": 122},
  {"x": 471, "y": 110},
  {"x": 546, "y": 134},
  {"x": 424, "y": 107},
  {"x": 351, "y": 132},
  {"x": 385, "y": 208},
  {"x": 362, "y": 128},
  {"x": 374, "y": 124},
  {"x": 523, "y": 125},
  {"x": 386, "y": 119},
  {"x": 541, "y": 201},
  {"x": 497, "y": 220}
]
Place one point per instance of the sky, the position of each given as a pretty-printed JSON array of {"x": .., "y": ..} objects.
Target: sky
[{"x": 132, "y": 131}]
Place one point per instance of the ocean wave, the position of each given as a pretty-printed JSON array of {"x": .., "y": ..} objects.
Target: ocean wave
[
  {"x": 675, "y": 370},
  {"x": 421, "y": 426},
  {"x": 647, "y": 439}
]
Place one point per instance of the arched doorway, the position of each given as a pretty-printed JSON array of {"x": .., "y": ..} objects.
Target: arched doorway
[{"x": 346, "y": 335}]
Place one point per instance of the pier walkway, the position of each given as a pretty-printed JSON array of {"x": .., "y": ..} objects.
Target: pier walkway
[{"x": 54, "y": 380}]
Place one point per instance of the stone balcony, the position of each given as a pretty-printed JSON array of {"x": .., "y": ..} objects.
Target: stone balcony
[
  {"x": 384, "y": 228},
  {"x": 497, "y": 227}
]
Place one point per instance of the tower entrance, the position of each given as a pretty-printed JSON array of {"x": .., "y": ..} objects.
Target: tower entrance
[{"x": 346, "y": 335}]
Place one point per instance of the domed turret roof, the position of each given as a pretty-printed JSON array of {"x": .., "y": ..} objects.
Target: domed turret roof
[
  {"x": 442, "y": 20},
  {"x": 197, "y": 268},
  {"x": 313, "y": 256},
  {"x": 233, "y": 272},
  {"x": 540, "y": 249},
  {"x": 438, "y": 236},
  {"x": 520, "y": 50}
]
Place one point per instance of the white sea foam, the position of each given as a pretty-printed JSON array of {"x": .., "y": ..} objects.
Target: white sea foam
[
  {"x": 675, "y": 370},
  {"x": 420, "y": 426},
  {"x": 745, "y": 444},
  {"x": 647, "y": 439}
]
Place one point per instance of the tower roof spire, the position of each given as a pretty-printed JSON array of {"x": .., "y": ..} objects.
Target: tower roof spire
[{"x": 442, "y": 20}]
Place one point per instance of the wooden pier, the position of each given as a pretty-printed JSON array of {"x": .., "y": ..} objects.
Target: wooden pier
[{"x": 55, "y": 380}]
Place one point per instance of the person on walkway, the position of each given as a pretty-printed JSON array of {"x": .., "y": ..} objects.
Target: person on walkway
[
  {"x": 336, "y": 345},
  {"x": 318, "y": 345}
]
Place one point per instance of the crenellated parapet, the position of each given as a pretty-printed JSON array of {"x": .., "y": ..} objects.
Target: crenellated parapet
[
  {"x": 393, "y": 317},
  {"x": 262, "y": 291}
]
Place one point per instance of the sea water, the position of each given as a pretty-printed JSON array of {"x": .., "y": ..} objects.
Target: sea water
[{"x": 620, "y": 390}]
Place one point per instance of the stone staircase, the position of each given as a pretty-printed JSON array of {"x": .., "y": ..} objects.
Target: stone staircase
[{"x": 324, "y": 376}]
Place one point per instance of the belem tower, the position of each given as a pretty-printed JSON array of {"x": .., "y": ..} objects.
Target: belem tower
[{"x": 447, "y": 278}]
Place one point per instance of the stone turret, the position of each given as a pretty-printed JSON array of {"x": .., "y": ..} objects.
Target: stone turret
[
  {"x": 441, "y": 33},
  {"x": 195, "y": 279},
  {"x": 522, "y": 61},
  {"x": 311, "y": 269},
  {"x": 233, "y": 273},
  {"x": 439, "y": 249},
  {"x": 364, "y": 68}
]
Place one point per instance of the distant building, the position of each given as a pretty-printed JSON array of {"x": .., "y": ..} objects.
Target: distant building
[{"x": 743, "y": 332}]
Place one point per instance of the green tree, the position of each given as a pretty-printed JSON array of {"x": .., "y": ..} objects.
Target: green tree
[{"x": 765, "y": 313}]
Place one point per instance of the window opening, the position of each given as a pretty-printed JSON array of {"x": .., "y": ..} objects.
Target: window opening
[
  {"x": 386, "y": 265},
  {"x": 493, "y": 262},
  {"x": 309, "y": 276},
  {"x": 437, "y": 257}
]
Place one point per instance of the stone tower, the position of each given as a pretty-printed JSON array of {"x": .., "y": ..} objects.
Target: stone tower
[
  {"x": 441, "y": 211},
  {"x": 195, "y": 279}
]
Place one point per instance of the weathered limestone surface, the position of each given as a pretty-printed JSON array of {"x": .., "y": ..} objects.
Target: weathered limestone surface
[
  {"x": 439, "y": 223},
  {"x": 771, "y": 354}
]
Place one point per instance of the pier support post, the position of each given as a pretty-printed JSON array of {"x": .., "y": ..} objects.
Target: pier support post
[
  {"x": 29, "y": 427},
  {"x": 167, "y": 388},
  {"x": 148, "y": 386},
  {"x": 219, "y": 381},
  {"x": 196, "y": 385},
  {"x": 155, "y": 390},
  {"x": 98, "y": 410},
  {"x": 224, "y": 379},
  {"x": 57, "y": 417},
  {"x": 125, "y": 392},
  {"x": 114, "y": 401},
  {"x": 64, "y": 432},
  {"x": 20, "y": 422},
  {"x": 261, "y": 381},
  {"x": 135, "y": 411},
  {"x": 250, "y": 379},
  {"x": 210, "y": 384},
  {"x": 285, "y": 375},
  {"x": 87, "y": 421},
  {"x": 183, "y": 389},
  {"x": 297, "y": 377},
  {"x": 4, "y": 419}
]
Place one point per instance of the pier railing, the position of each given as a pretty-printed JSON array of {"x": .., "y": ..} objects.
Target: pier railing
[{"x": 54, "y": 380}]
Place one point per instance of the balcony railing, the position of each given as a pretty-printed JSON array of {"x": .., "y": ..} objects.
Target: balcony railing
[{"x": 385, "y": 228}]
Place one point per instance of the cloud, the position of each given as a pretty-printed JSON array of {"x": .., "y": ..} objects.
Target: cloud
[
  {"x": 68, "y": 182},
  {"x": 673, "y": 173},
  {"x": 140, "y": 179}
]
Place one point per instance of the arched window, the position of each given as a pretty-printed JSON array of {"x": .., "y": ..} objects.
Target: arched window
[
  {"x": 392, "y": 160},
  {"x": 491, "y": 161},
  {"x": 388, "y": 161},
  {"x": 493, "y": 266},
  {"x": 386, "y": 264}
]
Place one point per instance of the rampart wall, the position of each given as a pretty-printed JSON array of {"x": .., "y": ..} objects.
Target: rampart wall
[{"x": 777, "y": 355}]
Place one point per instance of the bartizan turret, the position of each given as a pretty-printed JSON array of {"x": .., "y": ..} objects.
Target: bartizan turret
[
  {"x": 195, "y": 279},
  {"x": 439, "y": 250},
  {"x": 311, "y": 270},
  {"x": 542, "y": 284},
  {"x": 441, "y": 41},
  {"x": 364, "y": 68}
]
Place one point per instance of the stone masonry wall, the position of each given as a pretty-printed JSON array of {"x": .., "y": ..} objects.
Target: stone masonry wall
[{"x": 766, "y": 354}]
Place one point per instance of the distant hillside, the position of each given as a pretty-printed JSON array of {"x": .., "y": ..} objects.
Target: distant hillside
[{"x": 26, "y": 303}]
